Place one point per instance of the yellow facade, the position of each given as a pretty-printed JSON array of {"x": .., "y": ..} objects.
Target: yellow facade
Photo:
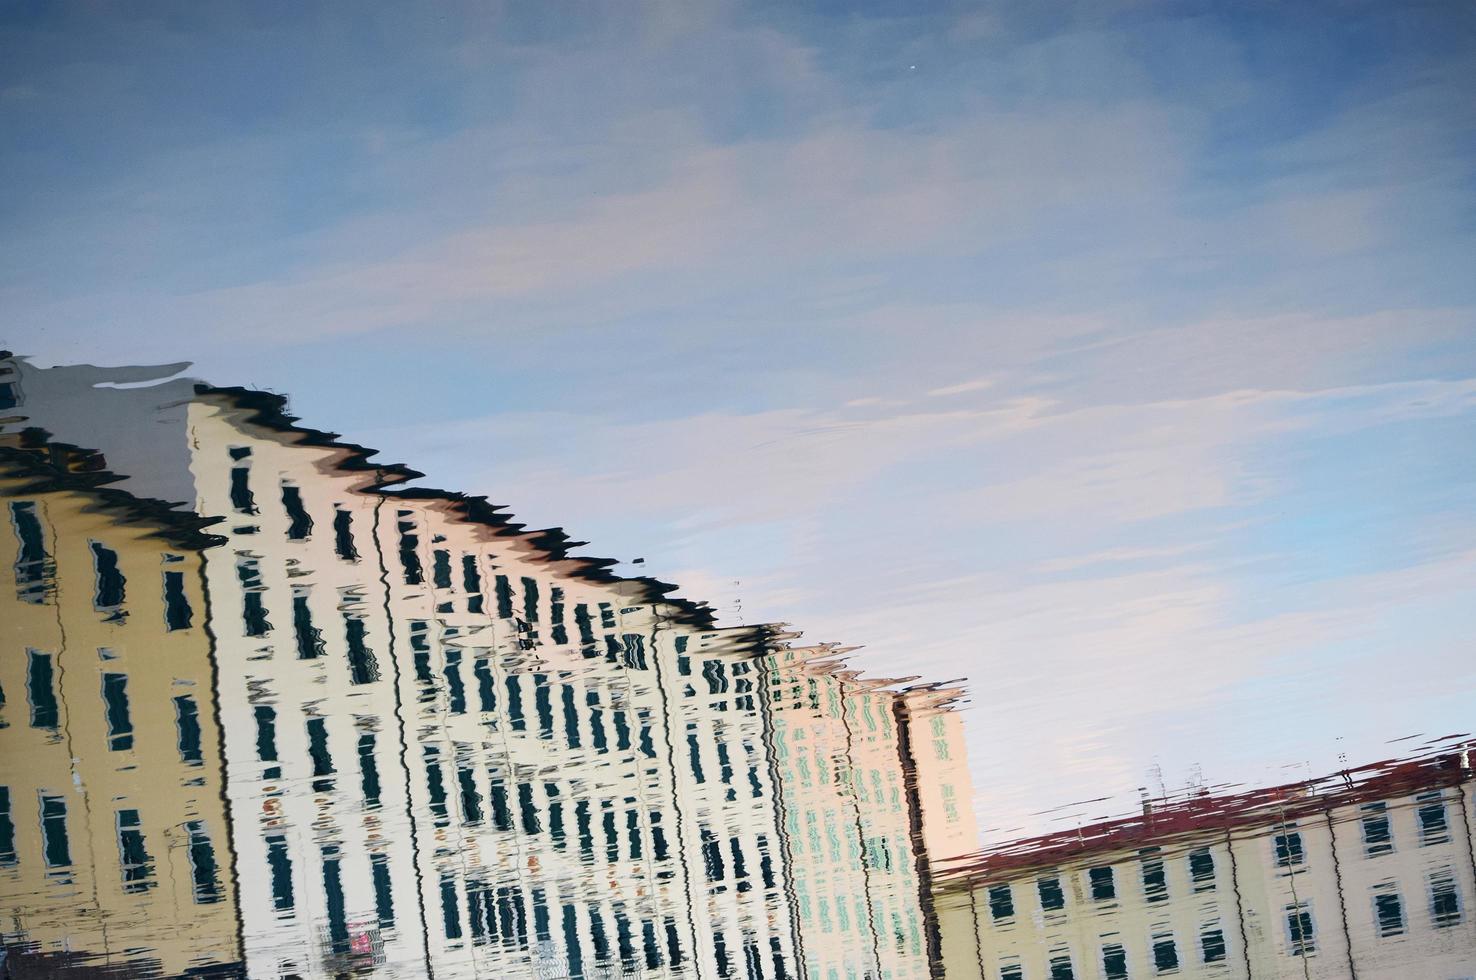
[{"x": 118, "y": 849}]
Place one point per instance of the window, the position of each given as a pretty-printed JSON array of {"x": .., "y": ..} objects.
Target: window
[
  {"x": 384, "y": 904},
  {"x": 300, "y": 522},
  {"x": 1300, "y": 932},
  {"x": 1212, "y": 944},
  {"x": 333, "y": 898},
  {"x": 1445, "y": 899},
  {"x": 33, "y": 566},
  {"x": 441, "y": 568},
  {"x": 115, "y": 700},
  {"x": 471, "y": 582},
  {"x": 317, "y": 729},
  {"x": 187, "y": 728},
  {"x": 1103, "y": 884},
  {"x": 471, "y": 800},
  {"x": 266, "y": 732},
  {"x": 1155, "y": 881},
  {"x": 55, "y": 847},
  {"x": 177, "y": 612},
  {"x": 110, "y": 583},
  {"x": 1202, "y": 869},
  {"x": 1052, "y": 898},
  {"x": 203, "y": 870},
  {"x": 1288, "y": 846},
  {"x": 1011, "y": 971},
  {"x": 368, "y": 770},
  {"x": 409, "y": 549},
  {"x": 242, "y": 499},
  {"x": 343, "y": 535},
  {"x": 133, "y": 857},
  {"x": 1114, "y": 962},
  {"x": 1388, "y": 910},
  {"x": 7, "y": 829},
  {"x": 40, "y": 690},
  {"x": 363, "y": 668},
  {"x": 1431, "y": 813},
  {"x": 309, "y": 637},
  {"x": 1165, "y": 953},
  {"x": 279, "y": 862},
  {"x": 1060, "y": 965},
  {"x": 253, "y": 597},
  {"x": 1376, "y": 837}
]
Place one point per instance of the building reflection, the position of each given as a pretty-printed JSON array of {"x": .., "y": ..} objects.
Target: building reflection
[{"x": 306, "y": 722}]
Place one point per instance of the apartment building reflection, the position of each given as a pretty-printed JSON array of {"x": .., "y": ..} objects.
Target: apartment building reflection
[
  {"x": 115, "y": 851},
  {"x": 452, "y": 749},
  {"x": 1367, "y": 874}
]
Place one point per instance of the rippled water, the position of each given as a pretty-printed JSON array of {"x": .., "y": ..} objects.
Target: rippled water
[{"x": 268, "y": 713}]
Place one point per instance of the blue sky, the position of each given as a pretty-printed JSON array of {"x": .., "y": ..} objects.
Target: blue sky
[{"x": 1120, "y": 357}]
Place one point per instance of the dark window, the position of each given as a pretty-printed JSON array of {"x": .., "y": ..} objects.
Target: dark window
[
  {"x": 455, "y": 689},
  {"x": 1212, "y": 945},
  {"x": 109, "y": 579},
  {"x": 1060, "y": 964},
  {"x": 1165, "y": 954},
  {"x": 1011, "y": 971},
  {"x": 530, "y": 600},
  {"x": 203, "y": 869},
  {"x": 1202, "y": 869},
  {"x": 515, "y": 705},
  {"x": 368, "y": 769},
  {"x": 317, "y": 729},
  {"x": 435, "y": 784},
  {"x": 612, "y": 839},
  {"x": 343, "y": 535},
  {"x": 1155, "y": 881},
  {"x": 300, "y": 523},
  {"x": 187, "y": 727},
  {"x": 501, "y": 807},
  {"x": 441, "y": 568},
  {"x": 1376, "y": 836},
  {"x": 471, "y": 582},
  {"x": 486, "y": 688},
  {"x": 1001, "y": 902},
  {"x": 712, "y": 856},
  {"x": 1433, "y": 827},
  {"x": 242, "y": 499},
  {"x": 384, "y": 902},
  {"x": 1114, "y": 962},
  {"x": 253, "y": 600},
  {"x": 571, "y": 717},
  {"x": 583, "y": 824},
  {"x": 33, "y": 567},
  {"x": 571, "y": 942},
  {"x": 363, "y": 668},
  {"x": 409, "y": 550},
  {"x": 55, "y": 846},
  {"x": 1104, "y": 885},
  {"x": 1389, "y": 912},
  {"x": 1052, "y": 897},
  {"x": 177, "y": 612},
  {"x": 279, "y": 862},
  {"x": 133, "y": 856},
  {"x": 471, "y": 800},
  {"x": 695, "y": 752},
  {"x": 584, "y": 624},
  {"x": 309, "y": 637},
  {"x": 450, "y": 908},
  {"x": 527, "y": 811},
  {"x": 1289, "y": 851},
  {"x": 266, "y": 732},
  {"x": 334, "y": 900},
  {"x": 41, "y": 690},
  {"x": 560, "y": 632},
  {"x": 7, "y": 828},
  {"x": 1300, "y": 933},
  {"x": 115, "y": 700},
  {"x": 543, "y": 705},
  {"x": 1445, "y": 901},
  {"x": 504, "y": 597}
]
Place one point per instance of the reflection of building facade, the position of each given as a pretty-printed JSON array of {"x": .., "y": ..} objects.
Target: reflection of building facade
[
  {"x": 453, "y": 750},
  {"x": 1369, "y": 878},
  {"x": 113, "y": 831}
]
